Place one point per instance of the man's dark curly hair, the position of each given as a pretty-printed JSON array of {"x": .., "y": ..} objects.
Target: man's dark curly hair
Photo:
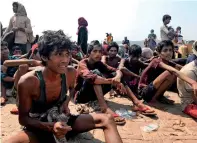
[
  {"x": 135, "y": 51},
  {"x": 113, "y": 44},
  {"x": 164, "y": 43},
  {"x": 92, "y": 44},
  {"x": 53, "y": 41}
]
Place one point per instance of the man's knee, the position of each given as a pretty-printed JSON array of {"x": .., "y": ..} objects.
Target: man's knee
[{"x": 170, "y": 76}]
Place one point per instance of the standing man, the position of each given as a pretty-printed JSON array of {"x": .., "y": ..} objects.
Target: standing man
[
  {"x": 165, "y": 32},
  {"x": 82, "y": 34},
  {"x": 152, "y": 40},
  {"x": 21, "y": 25},
  {"x": 152, "y": 35},
  {"x": 126, "y": 41}
]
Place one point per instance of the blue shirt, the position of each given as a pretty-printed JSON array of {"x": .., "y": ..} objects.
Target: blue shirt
[
  {"x": 191, "y": 58},
  {"x": 10, "y": 70}
]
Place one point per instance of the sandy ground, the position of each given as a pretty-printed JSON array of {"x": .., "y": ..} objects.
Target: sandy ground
[{"x": 174, "y": 126}]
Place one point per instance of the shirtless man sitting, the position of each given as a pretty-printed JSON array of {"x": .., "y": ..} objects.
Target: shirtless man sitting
[{"x": 41, "y": 90}]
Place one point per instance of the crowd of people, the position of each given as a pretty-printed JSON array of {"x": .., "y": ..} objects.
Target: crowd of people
[{"x": 55, "y": 71}]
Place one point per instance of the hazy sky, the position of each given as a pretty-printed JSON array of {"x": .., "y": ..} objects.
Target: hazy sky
[{"x": 131, "y": 18}]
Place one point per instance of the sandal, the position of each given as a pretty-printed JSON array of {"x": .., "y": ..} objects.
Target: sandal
[
  {"x": 191, "y": 110},
  {"x": 118, "y": 119},
  {"x": 165, "y": 100},
  {"x": 144, "y": 110}
]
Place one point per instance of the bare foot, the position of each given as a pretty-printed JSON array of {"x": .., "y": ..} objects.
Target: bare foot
[
  {"x": 14, "y": 111},
  {"x": 118, "y": 119}
]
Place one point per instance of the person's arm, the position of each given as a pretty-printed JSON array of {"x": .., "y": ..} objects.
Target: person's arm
[
  {"x": 143, "y": 78},
  {"x": 25, "y": 95},
  {"x": 87, "y": 75},
  {"x": 165, "y": 30},
  {"x": 28, "y": 28},
  {"x": 121, "y": 65},
  {"x": 8, "y": 79},
  {"x": 103, "y": 59},
  {"x": 13, "y": 63},
  {"x": 177, "y": 73},
  {"x": 75, "y": 61},
  {"x": 127, "y": 72},
  {"x": 118, "y": 76}
]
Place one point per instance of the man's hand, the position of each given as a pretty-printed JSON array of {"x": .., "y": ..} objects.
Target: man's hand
[
  {"x": 66, "y": 110},
  {"x": 116, "y": 80},
  {"x": 120, "y": 87},
  {"x": 60, "y": 129}
]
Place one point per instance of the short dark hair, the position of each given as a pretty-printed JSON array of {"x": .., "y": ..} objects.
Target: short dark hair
[
  {"x": 16, "y": 48},
  {"x": 113, "y": 44},
  {"x": 166, "y": 16},
  {"x": 52, "y": 40},
  {"x": 135, "y": 50},
  {"x": 178, "y": 28},
  {"x": 164, "y": 43},
  {"x": 92, "y": 44},
  {"x": 4, "y": 43}
]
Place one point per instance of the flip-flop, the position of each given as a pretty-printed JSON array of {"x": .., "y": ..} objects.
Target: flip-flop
[
  {"x": 14, "y": 111},
  {"x": 191, "y": 110},
  {"x": 145, "y": 111},
  {"x": 118, "y": 119}
]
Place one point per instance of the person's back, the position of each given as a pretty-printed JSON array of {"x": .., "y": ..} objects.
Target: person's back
[{"x": 186, "y": 92}]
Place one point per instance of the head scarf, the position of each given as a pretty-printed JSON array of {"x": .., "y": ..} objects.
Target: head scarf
[
  {"x": 82, "y": 22},
  {"x": 21, "y": 10}
]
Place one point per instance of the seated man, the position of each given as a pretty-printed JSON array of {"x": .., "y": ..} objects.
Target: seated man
[
  {"x": 186, "y": 93},
  {"x": 160, "y": 75},
  {"x": 133, "y": 67},
  {"x": 95, "y": 79},
  {"x": 7, "y": 73},
  {"x": 50, "y": 85},
  {"x": 112, "y": 59}
]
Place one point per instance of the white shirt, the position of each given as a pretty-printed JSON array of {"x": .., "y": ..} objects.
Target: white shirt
[{"x": 185, "y": 90}]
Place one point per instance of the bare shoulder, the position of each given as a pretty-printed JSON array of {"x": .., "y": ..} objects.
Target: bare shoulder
[
  {"x": 71, "y": 70},
  {"x": 28, "y": 81}
]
